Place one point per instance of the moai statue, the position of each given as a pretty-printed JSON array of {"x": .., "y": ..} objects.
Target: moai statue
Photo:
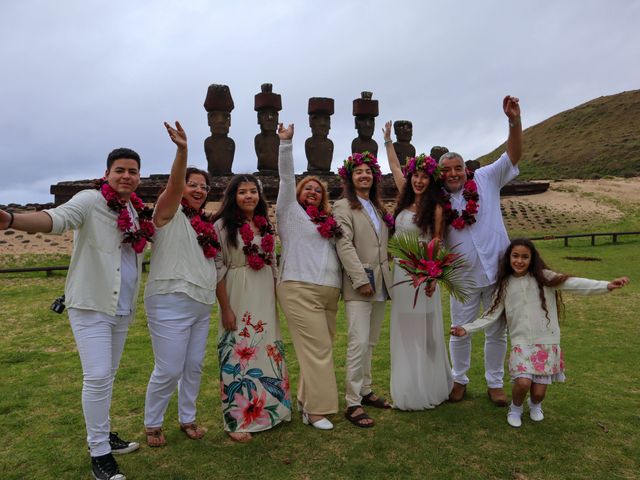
[
  {"x": 404, "y": 131},
  {"x": 437, "y": 152},
  {"x": 267, "y": 104},
  {"x": 365, "y": 110},
  {"x": 219, "y": 148},
  {"x": 318, "y": 147}
]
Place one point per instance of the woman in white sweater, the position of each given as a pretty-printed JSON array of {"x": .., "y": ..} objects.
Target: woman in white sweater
[
  {"x": 528, "y": 295},
  {"x": 309, "y": 283},
  {"x": 179, "y": 294}
]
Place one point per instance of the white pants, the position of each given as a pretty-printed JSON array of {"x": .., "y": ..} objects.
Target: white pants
[
  {"x": 495, "y": 340},
  {"x": 364, "y": 320},
  {"x": 100, "y": 340},
  {"x": 179, "y": 327}
]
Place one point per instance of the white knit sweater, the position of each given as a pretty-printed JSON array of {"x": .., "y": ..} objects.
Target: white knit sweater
[{"x": 306, "y": 256}]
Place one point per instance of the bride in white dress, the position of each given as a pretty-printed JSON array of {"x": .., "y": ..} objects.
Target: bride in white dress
[{"x": 420, "y": 369}]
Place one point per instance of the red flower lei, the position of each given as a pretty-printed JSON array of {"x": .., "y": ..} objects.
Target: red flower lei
[
  {"x": 468, "y": 217},
  {"x": 327, "y": 225},
  {"x": 206, "y": 234},
  {"x": 138, "y": 238},
  {"x": 256, "y": 259}
]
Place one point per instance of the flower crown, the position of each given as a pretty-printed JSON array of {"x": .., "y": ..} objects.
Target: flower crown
[
  {"x": 422, "y": 162},
  {"x": 358, "y": 159}
]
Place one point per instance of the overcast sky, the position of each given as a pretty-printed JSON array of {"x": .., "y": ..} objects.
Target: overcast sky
[{"x": 80, "y": 78}]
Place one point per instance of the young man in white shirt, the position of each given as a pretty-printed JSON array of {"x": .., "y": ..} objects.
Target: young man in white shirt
[
  {"x": 362, "y": 250},
  {"x": 101, "y": 290},
  {"x": 475, "y": 225}
]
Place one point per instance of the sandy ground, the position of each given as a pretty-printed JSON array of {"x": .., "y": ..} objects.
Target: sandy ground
[{"x": 564, "y": 203}]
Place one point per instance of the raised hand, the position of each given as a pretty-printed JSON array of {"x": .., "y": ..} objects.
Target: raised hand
[
  {"x": 285, "y": 133},
  {"x": 618, "y": 283},
  {"x": 458, "y": 331},
  {"x": 5, "y": 218},
  {"x": 177, "y": 135},
  {"x": 386, "y": 131},
  {"x": 511, "y": 107}
]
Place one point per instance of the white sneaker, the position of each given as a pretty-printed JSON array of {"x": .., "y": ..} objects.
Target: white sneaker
[
  {"x": 322, "y": 424},
  {"x": 514, "y": 417},
  {"x": 535, "y": 411}
]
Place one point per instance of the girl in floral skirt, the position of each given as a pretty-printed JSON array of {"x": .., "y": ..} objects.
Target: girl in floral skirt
[{"x": 528, "y": 295}]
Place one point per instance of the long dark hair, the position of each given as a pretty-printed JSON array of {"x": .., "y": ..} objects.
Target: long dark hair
[
  {"x": 229, "y": 211},
  {"x": 349, "y": 192},
  {"x": 425, "y": 216},
  {"x": 536, "y": 267}
]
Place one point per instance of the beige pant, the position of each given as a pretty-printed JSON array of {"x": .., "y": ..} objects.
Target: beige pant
[
  {"x": 364, "y": 320},
  {"x": 311, "y": 311}
]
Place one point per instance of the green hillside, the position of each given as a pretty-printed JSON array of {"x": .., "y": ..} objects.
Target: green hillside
[{"x": 593, "y": 140}]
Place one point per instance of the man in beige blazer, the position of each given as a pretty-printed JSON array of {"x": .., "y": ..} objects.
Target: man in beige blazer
[{"x": 366, "y": 278}]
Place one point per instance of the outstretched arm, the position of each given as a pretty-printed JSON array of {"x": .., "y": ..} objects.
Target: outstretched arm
[
  {"x": 26, "y": 222},
  {"x": 169, "y": 201},
  {"x": 511, "y": 107},
  {"x": 394, "y": 163},
  {"x": 618, "y": 283}
]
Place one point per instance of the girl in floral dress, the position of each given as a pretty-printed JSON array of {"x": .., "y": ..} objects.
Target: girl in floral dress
[
  {"x": 528, "y": 295},
  {"x": 254, "y": 383}
]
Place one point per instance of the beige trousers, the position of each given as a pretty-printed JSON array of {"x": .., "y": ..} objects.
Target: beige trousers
[
  {"x": 311, "y": 311},
  {"x": 364, "y": 321}
]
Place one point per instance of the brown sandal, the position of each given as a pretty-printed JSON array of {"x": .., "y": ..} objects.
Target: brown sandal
[
  {"x": 378, "y": 402},
  {"x": 357, "y": 419},
  {"x": 155, "y": 437},
  {"x": 193, "y": 431},
  {"x": 240, "y": 437}
]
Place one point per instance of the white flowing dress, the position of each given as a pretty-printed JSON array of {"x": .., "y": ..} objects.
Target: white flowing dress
[{"x": 420, "y": 369}]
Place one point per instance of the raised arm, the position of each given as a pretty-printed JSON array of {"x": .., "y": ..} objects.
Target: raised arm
[
  {"x": 394, "y": 163},
  {"x": 511, "y": 107},
  {"x": 287, "y": 190},
  {"x": 169, "y": 201},
  {"x": 26, "y": 222}
]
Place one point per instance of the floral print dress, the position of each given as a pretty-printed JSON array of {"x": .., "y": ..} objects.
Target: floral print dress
[{"x": 254, "y": 383}]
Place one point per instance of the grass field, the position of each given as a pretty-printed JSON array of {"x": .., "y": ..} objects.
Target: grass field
[{"x": 590, "y": 430}]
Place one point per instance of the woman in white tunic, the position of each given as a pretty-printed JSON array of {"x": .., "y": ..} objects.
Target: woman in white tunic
[
  {"x": 420, "y": 369},
  {"x": 179, "y": 295}
]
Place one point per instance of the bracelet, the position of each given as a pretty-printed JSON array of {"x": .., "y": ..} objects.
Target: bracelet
[
  {"x": 387, "y": 142},
  {"x": 11, "y": 220},
  {"x": 515, "y": 122}
]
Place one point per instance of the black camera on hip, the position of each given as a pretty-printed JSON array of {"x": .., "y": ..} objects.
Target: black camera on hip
[{"x": 58, "y": 304}]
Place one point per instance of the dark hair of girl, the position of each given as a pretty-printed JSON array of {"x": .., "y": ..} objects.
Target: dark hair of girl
[
  {"x": 536, "y": 267},
  {"x": 349, "y": 192},
  {"x": 231, "y": 214},
  {"x": 425, "y": 212}
]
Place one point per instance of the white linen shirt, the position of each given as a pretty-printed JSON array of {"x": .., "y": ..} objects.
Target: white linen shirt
[
  {"x": 484, "y": 242},
  {"x": 94, "y": 277},
  {"x": 526, "y": 320},
  {"x": 306, "y": 255}
]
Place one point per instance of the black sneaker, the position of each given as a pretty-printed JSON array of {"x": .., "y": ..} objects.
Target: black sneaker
[
  {"x": 105, "y": 467},
  {"x": 119, "y": 446}
]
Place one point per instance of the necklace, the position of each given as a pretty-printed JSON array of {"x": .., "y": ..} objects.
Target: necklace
[
  {"x": 139, "y": 237},
  {"x": 257, "y": 259},
  {"x": 205, "y": 232},
  {"x": 459, "y": 220},
  {"x": 327, "y": 225}
]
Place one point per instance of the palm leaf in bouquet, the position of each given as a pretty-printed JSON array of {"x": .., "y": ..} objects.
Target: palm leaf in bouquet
[{"x": 426, "y": 262}]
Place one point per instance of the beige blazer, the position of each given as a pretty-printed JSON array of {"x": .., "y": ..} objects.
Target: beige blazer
[{"x": 361, "y": 246}]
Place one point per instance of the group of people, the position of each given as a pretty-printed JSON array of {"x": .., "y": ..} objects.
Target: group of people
[{"x": 325, "y": 254}]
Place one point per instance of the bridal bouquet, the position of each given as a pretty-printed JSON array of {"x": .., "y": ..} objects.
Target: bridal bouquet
[{"x": 430, "y": 262}]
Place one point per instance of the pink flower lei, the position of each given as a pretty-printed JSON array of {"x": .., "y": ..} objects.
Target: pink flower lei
[
  {"x": 205, "y": 232},
  {"x": 422, "y": 162},
  {"x": 389, "y": 220},
  {"x": 255, "y": 258},
  {"x": 358, "y": 159},
  {"x": 452, "y": 216},
  {"x": 327, "y": 225},
  {"x": 139, "y": 237}
]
